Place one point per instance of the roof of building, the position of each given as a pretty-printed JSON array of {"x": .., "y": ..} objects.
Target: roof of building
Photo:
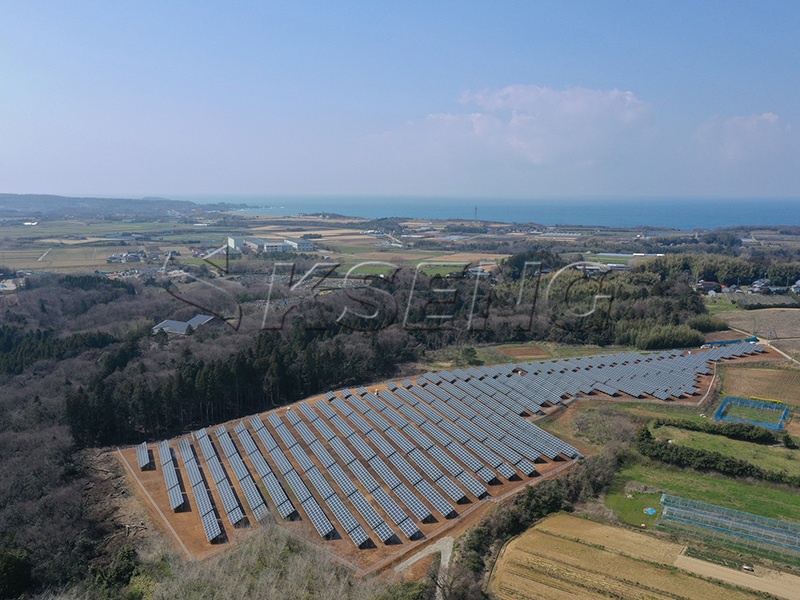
[{"x": 182, "y": 327}]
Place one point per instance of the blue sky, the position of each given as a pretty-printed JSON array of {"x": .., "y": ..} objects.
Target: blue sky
[{"x": 490, "y": 100}]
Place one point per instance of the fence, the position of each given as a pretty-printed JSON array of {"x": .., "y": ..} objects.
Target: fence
[
  {"x": 740, "y": 528},
  {"x": 775, "y": 407}
]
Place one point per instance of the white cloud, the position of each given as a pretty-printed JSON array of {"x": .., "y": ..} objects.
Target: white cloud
[
  {"x": 540, "y": 125},
  {"x": 741, "y": 139}
]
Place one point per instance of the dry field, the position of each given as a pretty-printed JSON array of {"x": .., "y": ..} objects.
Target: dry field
[
  {"x": 566, "y": 557},
  {"x": 773, "y": 384},
  {"x": 768, "y": 323}
]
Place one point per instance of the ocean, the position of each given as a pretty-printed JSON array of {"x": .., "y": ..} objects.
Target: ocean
[{"x": 683, "y": 214}]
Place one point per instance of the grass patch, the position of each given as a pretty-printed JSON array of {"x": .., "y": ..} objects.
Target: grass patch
[
  {"x": 718, "y": 305},
  {"x": 760, "y": 499},
  {"x": 651, "y": 410},
  {"x": 775, "y": 458},
  {"x": 631, "y": 510},
  {"x": 760, "y": 415}
]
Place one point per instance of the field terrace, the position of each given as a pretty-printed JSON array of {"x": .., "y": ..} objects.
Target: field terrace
[{"x": 374, "y": 475}]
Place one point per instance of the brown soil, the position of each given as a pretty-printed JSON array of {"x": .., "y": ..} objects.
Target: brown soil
[{"x": 524, "y": 352}]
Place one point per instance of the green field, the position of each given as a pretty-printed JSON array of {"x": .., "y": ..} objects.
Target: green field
[
  {"x": 775, "y": 458},
  {"x": 764, "y": 500},
  {"x": 631, "y": 510},
  {"x": 720, "y": 304},
  {"x": 653, "y": 410},
  {"x": 762, "y": 415}
]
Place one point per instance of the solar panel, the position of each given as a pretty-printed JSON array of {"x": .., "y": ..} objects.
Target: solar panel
[
  {"x": 292, "y": 417},
  {"x": 472, "y": 484},
  {"x": 425, "y": 464},
  {"x": 342, "y": 426},
  {"x": 278, "y": 496},
  {"x": 142, "y": 456},
  {"x": 384, "y": 472},
  {"x": 405, "y": 468},
  {"x": 324, "y": 430},
  {"x": 381, "y": 444},
  {"x": 342, "y": 480},
  {"x": 305, "y": 433},
  {"x": 301, "y": 457},
  {"x": 363, "y": 476},
  {"x": 366, "y": 510},
  {"x": 322, "y": 454},
  {"x": 409, "y": 529},
  {"x": 400, "y": 440},
  {"x": 359, "y": 444},
  {"x": 175, "y": 497},
  {"x": 211, "y": 526},
  {"x": 164, "y": 453},
  {"x": 320, "y": 483},
  {"x": 321, "y": 523},
  {"x": 254, "y": 499},
  {"x": 308, "y": 412},
  {"x": 442, "y": 506},
  {"x": 389, "y": 506},
  {"x": 412, "y": 503},
  {"x": 342, "y": 450},
  {"x": 286, "y": 435},
  {"x": 298, "y": 487}
]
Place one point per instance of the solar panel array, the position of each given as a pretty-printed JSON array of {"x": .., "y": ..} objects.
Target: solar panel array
[
  {"x": 420, "y": 447},
  {"x": 202, "y": 498},
  {"x": 170, "y": 475}
]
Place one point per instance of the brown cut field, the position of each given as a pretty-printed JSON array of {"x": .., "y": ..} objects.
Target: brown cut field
[
  {"x": 769, "y": 323},
  {"x": 566, "y": 557},
  {"x": 772, "y": 384}
]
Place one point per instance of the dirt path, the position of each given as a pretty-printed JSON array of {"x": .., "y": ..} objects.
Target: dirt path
[
  {"x": 772, "y": 582},
  {"x": 444, "y": 545},
  {"x": 133, "y": 474}
]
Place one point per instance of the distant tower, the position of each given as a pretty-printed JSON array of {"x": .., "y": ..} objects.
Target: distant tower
[{"x": 476, "y": 212}]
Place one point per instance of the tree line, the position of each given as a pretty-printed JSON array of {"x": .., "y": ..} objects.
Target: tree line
[{"x": 707, "y": 460}]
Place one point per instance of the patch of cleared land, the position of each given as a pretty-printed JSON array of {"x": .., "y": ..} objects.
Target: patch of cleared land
[{"x": 566, "y": 557}]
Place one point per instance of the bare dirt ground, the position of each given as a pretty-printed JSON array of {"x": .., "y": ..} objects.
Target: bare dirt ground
[{"x": 566, "y": 557}]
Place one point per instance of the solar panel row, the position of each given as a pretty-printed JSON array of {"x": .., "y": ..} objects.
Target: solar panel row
[
  {"x": 208, "y": 515},
  {"x": 168, "y": 466}
]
